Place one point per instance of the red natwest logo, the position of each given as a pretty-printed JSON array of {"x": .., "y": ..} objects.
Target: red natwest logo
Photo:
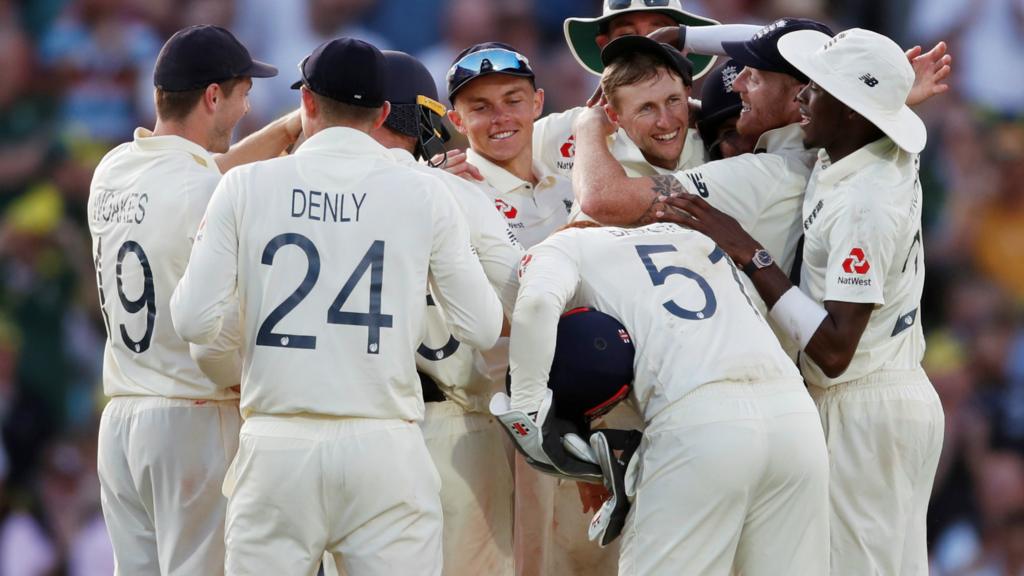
[
  {"x": 568, "y": 149},
  {"x": 856, "y": 263},
  {"x": 520, "y": 429},
  {"x": 505, "y": 208}
]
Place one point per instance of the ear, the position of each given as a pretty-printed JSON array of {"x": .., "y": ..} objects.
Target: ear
[
  {"x": 613, "y": 115},
  {"x": 538, "y": 103},
  {"x": 602, "y": 40},
  {"x": 384, "y": 111},
  {"x": 456, "y": 119},
  {"x": 308, "y": 103},
  {"x": 212, "y": 97}
]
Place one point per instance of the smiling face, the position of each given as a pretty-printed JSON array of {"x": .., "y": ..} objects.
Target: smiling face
[
  {"x": 769, "y": 101},
  {"x": 821, "y": 116},
  {"x": 496, "y": 113},
  {"x": 655, "y": 115}
]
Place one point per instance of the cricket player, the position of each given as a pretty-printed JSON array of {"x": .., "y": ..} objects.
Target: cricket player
[
  {"x": 331, "y": 295},
  {"x": 170, "y": 428},
  {"x": 732, "y": 472},
  {"x": 856, "y": 314},
  {"x": 720, "y": 108},
  {"x": 464, "y": 441},
  {"x": 764, "y": 190}
]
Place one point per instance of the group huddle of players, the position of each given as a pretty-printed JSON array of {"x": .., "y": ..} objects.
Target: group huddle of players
[{"x": 650, "y": 335}]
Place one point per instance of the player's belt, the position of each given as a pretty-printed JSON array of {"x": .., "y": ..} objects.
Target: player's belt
[{"x": 431, "y": 391}]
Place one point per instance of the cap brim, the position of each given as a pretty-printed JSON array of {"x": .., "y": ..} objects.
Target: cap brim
[
  {"x": 903, "y": 126},
  {"x": 581, "y": 36},
  {"x": 260, "y": 70},
  {"x": 296, "y": 85},
  {"x": 632, "y": 44},
  {"x": 743, "y": 55}
]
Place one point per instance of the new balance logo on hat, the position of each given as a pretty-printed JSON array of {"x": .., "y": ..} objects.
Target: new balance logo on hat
[{"x": 870, "y": 80}]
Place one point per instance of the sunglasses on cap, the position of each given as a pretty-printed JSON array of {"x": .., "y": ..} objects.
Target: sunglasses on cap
[
  {"x": 623, "y": 4},
  {"x": 491, "y": 60}
]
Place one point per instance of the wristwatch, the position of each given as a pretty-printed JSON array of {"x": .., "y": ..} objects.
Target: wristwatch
[{"x": 761, "y": 259}]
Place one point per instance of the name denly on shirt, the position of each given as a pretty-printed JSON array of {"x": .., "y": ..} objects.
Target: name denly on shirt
[
  {"x": 120, "y": 209},
  {"x": 326, "y": 206}
]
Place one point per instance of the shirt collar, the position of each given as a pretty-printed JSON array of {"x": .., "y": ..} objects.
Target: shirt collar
[
  {"x": 145, "y": 140},
  {"x": 788, "y": 137},
  {"x": 629, "y": 154},
  {"x": 504, "y": 181},
  {"x": 830, "y": 173},
  {"x": 343, "y": 140},
  {"x": 402, "y": 156}
]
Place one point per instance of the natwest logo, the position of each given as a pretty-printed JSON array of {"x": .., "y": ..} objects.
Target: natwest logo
[
  {"x": 568, "y": 149},
  {"x": 856, "y": 263},
  {"x": 505, "y": 208}
]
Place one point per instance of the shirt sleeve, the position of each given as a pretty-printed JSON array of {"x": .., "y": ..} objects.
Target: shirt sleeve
[
  {"x": 549, "y": 277},
  {"x": 496, "y": 246},
  {"x": 208, "y": 285},
  {"x": 862, "y": 242},
  {"x": 456, "y": 277},
  {"x": 221, "y": 360},
  {"x": 737, "y": 186},
  {"x": 554, "y": 145}
]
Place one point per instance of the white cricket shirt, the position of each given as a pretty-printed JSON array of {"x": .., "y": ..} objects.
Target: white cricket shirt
[
  {"x": 457, "y": 368},
  {"x": 678, "y": 295},
  {"x": 764, "y": 192},
  {"x": 146, "y": 200},
  {"x": 862, "y": 243},
  {"x": 330, "y": 249},
  {"x": 533, "y": 212}
]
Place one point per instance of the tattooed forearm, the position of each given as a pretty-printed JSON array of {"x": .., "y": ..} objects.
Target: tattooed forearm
[{"x": 663, "y": 185}]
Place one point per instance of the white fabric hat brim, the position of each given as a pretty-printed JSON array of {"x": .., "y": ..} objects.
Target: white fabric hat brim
[
  {"x": 581, "y": 35},
  {"x": 904, "y": 127}
]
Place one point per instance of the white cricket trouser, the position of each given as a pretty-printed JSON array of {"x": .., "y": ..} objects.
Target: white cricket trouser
[
  {"x": 551, "y": 527},
  {"x": 884, "y": 435},
  {"x": 161, "y": 462},
  {"x": 361, "y": 489},
  {"x": 469, "y": 451},
  {"x": 732, "y": 478}
]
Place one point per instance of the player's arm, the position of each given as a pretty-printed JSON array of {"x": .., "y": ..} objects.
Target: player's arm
[
  {"x": 221, "y": 360},
  {"x": 829, "y": 335},
  {"x": 267, "y": 142},
  {"x": 604, "y": 191},
  {"x": 496, "y": 246},
  {"x": 208, "y": 285},
  {"x": 549, "y": 278},
  {"x": 473, "y": 310}
]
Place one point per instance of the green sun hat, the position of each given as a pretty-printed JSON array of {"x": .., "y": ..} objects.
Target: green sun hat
[{"x": 581, "y": 33}]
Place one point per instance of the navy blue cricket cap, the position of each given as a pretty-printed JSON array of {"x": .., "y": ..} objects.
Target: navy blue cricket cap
[
  {"x": 198, "y": 56},
  {"x": 632, "y": 43},
  {"x": 762, "y": 51},
  {"x": 719, "y": 101},
  {"x": 483, "y": 59},
  {"x": 347, "y": 70},
  {"x": 593, "y": 365}
]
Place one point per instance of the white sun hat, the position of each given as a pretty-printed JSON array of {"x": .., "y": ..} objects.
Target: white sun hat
[
  {"x": 864, "y": 70},
  {"x": 581, "y": 33}
]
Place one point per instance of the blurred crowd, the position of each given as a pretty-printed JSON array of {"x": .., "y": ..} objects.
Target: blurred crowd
[{"x": 76, "y": 78}]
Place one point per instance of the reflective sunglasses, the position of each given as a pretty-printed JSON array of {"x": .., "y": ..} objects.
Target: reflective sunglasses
[
  {"x": 623, "y": 4},
  {"x": 490, "y": 60}
]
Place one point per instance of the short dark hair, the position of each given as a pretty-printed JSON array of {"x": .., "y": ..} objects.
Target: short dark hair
[
  {"x": 335, "y": 112},
  {"x": 176, "y": 106},
  {"x": 632, "y": 68}
]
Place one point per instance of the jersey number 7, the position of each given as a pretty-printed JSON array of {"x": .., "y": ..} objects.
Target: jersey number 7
[{"x": 373, "y": 319}]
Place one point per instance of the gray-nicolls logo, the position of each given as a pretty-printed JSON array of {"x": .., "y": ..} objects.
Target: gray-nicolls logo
[
  {"x": 729, "y": 74},
  {"x": 870, "y": 80}
]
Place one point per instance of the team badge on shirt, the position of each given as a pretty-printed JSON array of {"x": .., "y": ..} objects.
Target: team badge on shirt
[
  {"x": 856, "y": 263},
  {"x": 505, "y": 208}
]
